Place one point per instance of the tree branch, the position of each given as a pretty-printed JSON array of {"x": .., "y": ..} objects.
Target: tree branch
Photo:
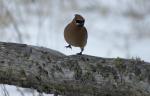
[{"x": 52, "y": 72}]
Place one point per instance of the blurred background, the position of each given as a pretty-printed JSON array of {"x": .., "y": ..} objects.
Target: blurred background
[{"x": 116, "y": 28}]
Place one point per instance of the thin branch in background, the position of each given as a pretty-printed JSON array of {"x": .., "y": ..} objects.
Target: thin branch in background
[
  {"x": 20, "y": 91},
  {"x": 33, "y": 93},
  {"x": 5, "y": 92},
  {"x": 41, "y": 94},
  {"x": 19, "y": 35},
  {"x": 15, "y": 25}
]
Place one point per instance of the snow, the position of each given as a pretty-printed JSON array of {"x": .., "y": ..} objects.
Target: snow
[{"x": 13, "y": 91}]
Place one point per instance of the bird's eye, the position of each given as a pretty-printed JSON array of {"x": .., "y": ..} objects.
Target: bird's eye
[{"x": 79, "y": 21}]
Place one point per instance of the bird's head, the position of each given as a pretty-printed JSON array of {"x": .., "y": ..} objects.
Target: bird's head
[{"x": 79, "y": 20}]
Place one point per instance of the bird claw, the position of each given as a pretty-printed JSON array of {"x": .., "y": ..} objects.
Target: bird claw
[
  {"x": 79, "y": 53},
  {"x": 69, "y": 46}
]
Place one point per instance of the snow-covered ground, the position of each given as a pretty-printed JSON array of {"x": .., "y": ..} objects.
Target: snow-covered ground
[{"x": 10, "y": 90}]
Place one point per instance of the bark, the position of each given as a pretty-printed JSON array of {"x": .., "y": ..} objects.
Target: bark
[{"x": 50, "y": 71}]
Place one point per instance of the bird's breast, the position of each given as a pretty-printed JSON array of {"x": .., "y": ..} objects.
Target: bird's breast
[{"x": 76, "y": 36}]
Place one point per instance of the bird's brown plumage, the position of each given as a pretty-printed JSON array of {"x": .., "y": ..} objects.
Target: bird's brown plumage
[{"x": 75, "y": 33}]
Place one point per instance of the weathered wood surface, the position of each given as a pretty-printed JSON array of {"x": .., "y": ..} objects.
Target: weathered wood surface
[{"x": 53, "y": 72}]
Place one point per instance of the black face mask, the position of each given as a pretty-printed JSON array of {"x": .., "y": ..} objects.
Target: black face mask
[{"x": 80, "y": 23}]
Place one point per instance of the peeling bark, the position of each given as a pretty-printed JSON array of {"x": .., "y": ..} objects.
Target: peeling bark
[{"x": 77, "y": 75}]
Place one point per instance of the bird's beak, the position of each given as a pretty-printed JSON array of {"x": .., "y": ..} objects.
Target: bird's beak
[{"x": 80, "y": 24}]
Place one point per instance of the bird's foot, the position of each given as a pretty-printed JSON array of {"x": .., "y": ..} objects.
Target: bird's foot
[
  {"x": 79, "y": 53},
  {"x": 69, "y": 46}
]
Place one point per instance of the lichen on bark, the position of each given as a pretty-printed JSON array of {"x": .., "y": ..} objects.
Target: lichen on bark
[{"x": 50, "y": 71}]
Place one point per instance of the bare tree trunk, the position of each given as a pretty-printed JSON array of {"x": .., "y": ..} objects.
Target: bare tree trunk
[{"x": 78, "y": 75}]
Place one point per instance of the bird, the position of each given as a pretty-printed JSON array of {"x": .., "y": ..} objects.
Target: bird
[{"x": 75, "y": 33}]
